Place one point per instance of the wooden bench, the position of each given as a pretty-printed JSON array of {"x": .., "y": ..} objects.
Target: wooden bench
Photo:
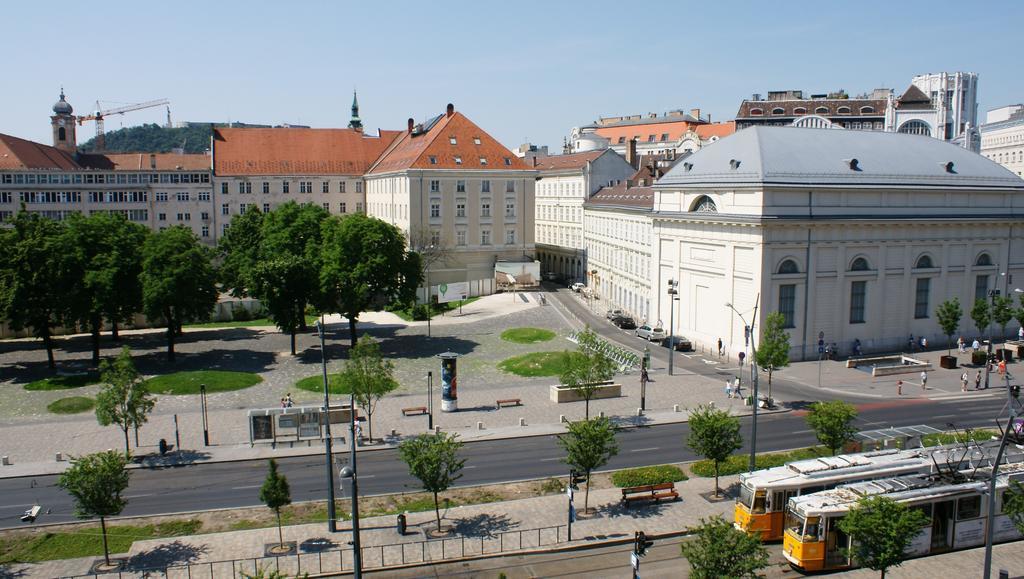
[
  {"x": 650, "y": 493},
  {"x": 508, "y": 402},
  {"x": 414, "y": 411}
]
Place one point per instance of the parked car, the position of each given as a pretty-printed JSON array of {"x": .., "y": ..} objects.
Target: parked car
[
  {"x": 681, "y": 343},
  {"x": 624, "y": 322},
  {"x": 650, "y": 333},
  {"x": 577, "y": 287},
  {"x": 612, "y": 314}
]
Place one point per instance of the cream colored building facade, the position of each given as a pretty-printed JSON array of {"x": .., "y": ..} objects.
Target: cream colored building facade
[
  {"x": 618, "y": 238},
  {"x": 852, "y": 235},
  {"x": 1002, "y": 138}
]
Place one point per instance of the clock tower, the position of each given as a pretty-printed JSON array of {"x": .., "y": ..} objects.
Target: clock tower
[{"x": 63, "y": 123}]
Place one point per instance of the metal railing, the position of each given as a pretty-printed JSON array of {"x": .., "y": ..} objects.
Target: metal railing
[{"x": 340, "y": 560}]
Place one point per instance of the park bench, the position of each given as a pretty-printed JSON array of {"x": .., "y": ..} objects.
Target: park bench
[
  {"x": 508, "y": 402},
  {"x": 649, "y": 493},
  {"x": 414, "y": 411}
]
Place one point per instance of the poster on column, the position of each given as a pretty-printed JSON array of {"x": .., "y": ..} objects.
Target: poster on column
[{"x": 449, "y": 385}]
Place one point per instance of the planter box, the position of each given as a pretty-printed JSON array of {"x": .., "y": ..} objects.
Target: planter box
[
  {"x": 1004, "y": 354},
  {"x": 947, "y": 362},
  {"x": 978, "y": 357},
  {"x": 560, "y": 394}
]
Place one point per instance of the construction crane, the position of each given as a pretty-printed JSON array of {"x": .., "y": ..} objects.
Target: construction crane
[{"x": 101, "y": 114}]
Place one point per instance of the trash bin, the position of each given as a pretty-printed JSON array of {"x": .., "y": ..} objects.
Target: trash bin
[
  {"x": 163, "y": 447},
  {"x": 401, "y": 525}
]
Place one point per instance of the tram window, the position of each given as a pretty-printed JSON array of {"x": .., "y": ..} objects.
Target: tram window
[
  {"x": 811, "y": 532},
  {"x": 758, "y": 503},
  {"x": 746, "y": 496},
  {"x": 926, "y": 510},
  {"x": 779, "y": 500},
  {"x": 794, "y": 523},
  {"x": 968, "y": 508}
]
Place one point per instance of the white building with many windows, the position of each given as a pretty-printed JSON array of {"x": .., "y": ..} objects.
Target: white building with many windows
[
  {"x": 1002, "y": 137},
  {"x": 855, "y": 235}
]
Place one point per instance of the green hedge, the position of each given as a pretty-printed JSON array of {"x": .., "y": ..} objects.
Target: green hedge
[
  {"x": 648, "y": 475},
  {"x": 738, "y": 463}
]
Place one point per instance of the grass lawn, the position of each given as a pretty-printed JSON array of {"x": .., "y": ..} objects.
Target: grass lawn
[
  {"x": 407, "y": 315},
  {"x": 64, "y": 382},
  {"x": 188, "y": 382},
  {"x": 87, "y": 542},
  {"x": 71, "y": 405},
  {"x": 527, "y": 335},
  {"x": 738, "y": 463},
  {"x": 245, "y": 323},
  {"x": 951, "y": 438},
  {"x": 536, "y": 364},
  {"x": 316, "y": 384}
]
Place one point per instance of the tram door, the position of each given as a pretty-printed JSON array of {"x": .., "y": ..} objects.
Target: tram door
[
  {"x": 942, "y": 525},
  {"x": 836, "y": 541}
]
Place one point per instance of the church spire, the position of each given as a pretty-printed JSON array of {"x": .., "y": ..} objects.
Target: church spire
[{"x": 356, "y": 123}]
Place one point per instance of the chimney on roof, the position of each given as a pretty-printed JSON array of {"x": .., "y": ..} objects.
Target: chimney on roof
[
  {"x": 152, "y": 161},
  {"x": 631, "y": 152},
  {"x": 450, "y": 110},
  {"x": 412, "y": 123},
  {"x": 695, "y": 113}
]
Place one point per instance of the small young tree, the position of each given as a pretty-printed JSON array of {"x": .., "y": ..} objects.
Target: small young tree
[
  {"x": 715, "y": 435},
  {"x": 124, "y": 400},
  {"x": 586, "y": 369},
  {"x": 275, "y": 493},
  {"x": 1013, "y": 505},
  {"x": 881, "y": 530},
  {"x": 981, "y": 314},
  {"x": 832, "y": 423},
  {"x": 721, "y": 550},
  {"x": 948, "y": 315},
  {"x": 1002, "y": 313},
  {"x": 434, "y": 460},
  {"x": 589, "y": 444},
  {"x": 368, "y": 376},
  {"x": 773, "y": 351},
  {"x": 96, "y": 482}
]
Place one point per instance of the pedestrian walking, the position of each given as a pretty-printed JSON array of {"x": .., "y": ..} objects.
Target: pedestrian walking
[
  {"x": 738, "y": 388},
  {"x": 719, "y": 347},
  {"x": 924, "y": 380},
  {"x": 924, "y": 343},
  {"x": 728, "y": 388},
  {"x": 1020, "y": 333},
  {"x": 644, "y": 377},
  {"x": 975, "y": 345},
  {"x": 899, "y": 387},
  {"x": 288, "y": 401},
  {"x": 911, "y": 342},
  {"x": 961, "y": 345},
  {"x": 964, "y": 378},
  {"x": 284, "y": 404},
  {"x": 1002, "y": 367},
  {"x": 977, "y": 380}
]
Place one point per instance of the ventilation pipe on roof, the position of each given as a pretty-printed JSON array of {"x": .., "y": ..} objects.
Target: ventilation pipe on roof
[
  {"x": 949, "y": 167},
  {"x": 631, "y": 153},
  {"x": 695, "y": 113},
  {"x": 853, "y": 163},
  {"x": 450, "y": 110},
  {"x": 734, "y": 163},
  {"x": 412, "y": 123},
  {"x": 687, "y": 166}
]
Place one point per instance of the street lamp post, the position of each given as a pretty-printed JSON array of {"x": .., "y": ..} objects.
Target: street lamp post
[
  {"x": 672, "y": 297},
  {"x": 206, "y": 423},
  {"x": 430, "y": 400},
  {"x": 753, "y": 375},
  {"x": 349, "y": 472},
  {"x": 992, "y": 295},
  {"x": 332, "y": 520}
]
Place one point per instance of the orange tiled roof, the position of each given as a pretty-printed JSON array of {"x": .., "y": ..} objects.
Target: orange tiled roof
[
  {"x": 164, "y": 161},
  {"x": 410, "y": 151},
  {"x": 18, "y": 153},
  {"x": 674, "y": 129},
  {"x": 572, "y": 161},
  {"x": 288, "y": 151},
  {"x": 719, "y": 130}
]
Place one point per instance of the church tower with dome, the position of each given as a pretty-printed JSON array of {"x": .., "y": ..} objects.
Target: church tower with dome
[{"x": 63, "y": 123}]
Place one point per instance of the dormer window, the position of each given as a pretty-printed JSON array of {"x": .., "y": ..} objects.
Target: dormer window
[
  {"x": 821, "y": 111},
  {"x": 458, "y": 160},
  {"x": 508, "y": 161},
  {"x": 867, "y": 110},
  {"x": 452, "y": 140},
  {"x": 433, "y": 160},
  {"x": 483, "y": 160},
  {"x": 650, "y": 138},
  {"x": 756, "y": 112},
  {"x": 799, "y": 111},
  {"x": 476, "y": 140},
  {"x": 778, "y": 111},
  {"x": 622, "y": 140},
  {"x": 843, "y": 110}
]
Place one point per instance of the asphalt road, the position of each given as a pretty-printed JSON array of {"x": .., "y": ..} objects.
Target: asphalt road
[{"x": 236, "y": 484}]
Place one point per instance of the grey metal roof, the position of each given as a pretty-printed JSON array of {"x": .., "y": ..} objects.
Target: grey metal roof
[{"x": 823, "y": 157}]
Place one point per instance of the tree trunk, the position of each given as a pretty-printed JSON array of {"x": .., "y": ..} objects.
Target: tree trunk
[
  {"x": 369, "y": 421},
  {"x": 95, "y": 322},
  {"x": 716, "y": 474},
  {"x": 437, "y": 513},
  {"x": 103, "y": 531},
  {"x": 352, "y": 330},
  {"x": 280, "y": 534},
  {"x": 48, "y": 343},
  {"x": 126, "y": 449},
  {"x": 586, "y": 495},
  {"x": 170, "y": 336},
  {"x": 113, "y": 330},
  {"x": 293, "y": 341},
  {"x": 883, "y": 574},
  {"x": 586, "y": 413},
  {"x": 302, "y": 320}
]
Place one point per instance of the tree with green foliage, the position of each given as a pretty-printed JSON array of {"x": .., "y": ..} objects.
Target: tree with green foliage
[
  {"x": 194, "y": 138},
  {"x": 96, "y": 482},
  {"x": 239, "y": 252},
  {"x": 368, "y": 376},
  {"x": 589, "y": 445},
  {"x": 294, "y": 233},
  {"x": 366, "y": 266},
  {"x": 882, "y": 530},
  {"x": 124, "y": 400},
  {"x": 718, "y": 549},
  {"x": 773, "y": 351},
  {"x": 279, "y": 284},
  {"x": 981, "y": 314},
  {"x": 434, "y": 460},
  {"x": 714, "y": 435},
  {"x": 832, "y": 422},
  {"x": 1013, "y": 504},
  {"x": 34, "y": 277},
  {"x": 948, "y": 315},
  {"x": 276, "y": 494},
  {"x": 178, "y": 280},
  {"x": 1002, "y": 313},
  {"x": 586, "y": 369},
  {"x": 104, "y": 251}
]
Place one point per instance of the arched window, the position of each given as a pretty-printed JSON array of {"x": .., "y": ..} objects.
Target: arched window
[
  {"x": 778, "y": 111},
  {"x": 915, "y": 127},
  {"x": 867, "y": 110},
  {"x": 924, "y": 262},
  {"x": 799, "y": 111},
  {"x": 843, "y": 110},
  {"x": 788, "y": 266},
  {"x": 983, "y": 259},
  {"x": 62, "y": 134},
  {"x": 756, "y": 112},
  {"x": 704, "y": 204},
  {"x": 821, "y": 111},
  {"x": 859, "y": 264}
]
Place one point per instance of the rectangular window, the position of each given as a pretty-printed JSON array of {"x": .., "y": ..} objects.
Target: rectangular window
[
  {"x": 510, "y": 186},
  {"x": 981, "y": 288},
  {"x": 183, "y": 196},
  {"x": 435, "y": 186},
  {"x": 204, "y": 195},
  {"x": 241, "y": 187},
  {"x": 921, "y": 298},
  {"x": 452, "y": 140},
  {"x": 485, "y": 186},
  {"x": 341, "y": 187},
  {"x": 485, "y": 208},
  {"x": 485, "y": 237},
  {"x": 483, "y": 160},
  {"x": 326, "y": 187},
  {"x": 460, "y": 208},
  {"x": 242, "y": 207},
  {"x": 359, "y": 206},
  {"x": 343, "y": 208},
  {"x": 787, "y": 305},
  {"x": 161, "y": 216},
  {"x": 266, "y": 207},
  {"x": 205, "y": 231},
  {"x": 433, "y": 160},
  {"x": 359, "y": 186},
  {"x": 858, "y": 298},
  {"x": 435, "y": 208},
  {"x": 284, "y": 186},
  {"x": 161, "y": 195},
  {"x": 205, "y": 215},
  {"x": 435, "y": 237},
  {"x": 224, "y": 228},
  {"x": 326, "y": 206},
  {"x": 968, "y": 508},
  {"x": 510, "y": 208},
  {"x": 460, "y": 186},
  {"x": 460, "y": 238},
  {"x": 224, "y": 188},
  {"x": 225, "y": 209},
  {"x": 266, "y": 186},
  {"x": 510, "y": 236}
]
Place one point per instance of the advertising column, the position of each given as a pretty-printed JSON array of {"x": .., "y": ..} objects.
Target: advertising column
[{"x": 449, "y": 382}]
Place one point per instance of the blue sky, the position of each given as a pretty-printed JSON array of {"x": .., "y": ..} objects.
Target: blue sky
[{"x": 521, "y": 70}]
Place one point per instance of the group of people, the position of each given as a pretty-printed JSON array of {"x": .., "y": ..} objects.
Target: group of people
[
  {"x": 733, "y": 388},
  {"x": 287, "y": 401},
  {"x": 913, "y": 344},
  {"x": 961, "y": 345}
]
